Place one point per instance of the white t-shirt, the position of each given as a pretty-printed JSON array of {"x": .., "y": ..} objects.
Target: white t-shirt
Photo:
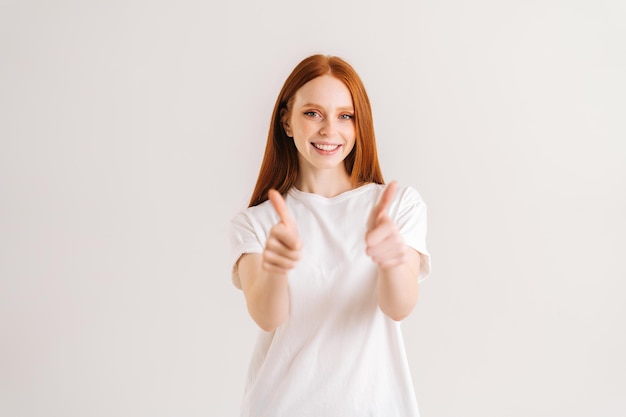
[{"x": 337, "y": 354}]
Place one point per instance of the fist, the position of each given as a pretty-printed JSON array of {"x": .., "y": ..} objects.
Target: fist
[
  {"x": 384, "y": 244},
  {"x": 283, "y": 248}
]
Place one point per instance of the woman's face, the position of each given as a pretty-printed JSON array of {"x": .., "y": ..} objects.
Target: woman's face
[{"x": 321, "y": 123}]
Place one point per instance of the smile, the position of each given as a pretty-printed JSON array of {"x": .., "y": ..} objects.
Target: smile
[{"x": 324, "y": 147}]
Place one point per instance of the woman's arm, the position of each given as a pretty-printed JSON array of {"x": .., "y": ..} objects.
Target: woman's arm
[
  {"x": 398, "y": 265},
  {"x": 267, "y": 294},
  {"x": 264, "y": 276},
  {"x": 398, "y": 289}
]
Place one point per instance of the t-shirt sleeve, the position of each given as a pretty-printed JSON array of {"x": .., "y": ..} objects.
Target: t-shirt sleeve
[
  {"x": 411, "y": 219},
  {"x": 243, "y": 239}
]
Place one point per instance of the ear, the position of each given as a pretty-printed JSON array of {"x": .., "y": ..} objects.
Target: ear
[{"x": 284, "y": 120}]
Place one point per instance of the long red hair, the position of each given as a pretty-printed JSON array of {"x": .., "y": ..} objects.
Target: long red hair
[{"x": 279, "y": 168}]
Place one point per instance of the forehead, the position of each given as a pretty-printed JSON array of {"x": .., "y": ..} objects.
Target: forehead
[{"x": 325, "y": 90}]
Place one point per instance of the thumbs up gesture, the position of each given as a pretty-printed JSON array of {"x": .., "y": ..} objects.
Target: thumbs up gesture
[
  {"x": 283, "y": 248},
  {"x": 384, "y": 243}
]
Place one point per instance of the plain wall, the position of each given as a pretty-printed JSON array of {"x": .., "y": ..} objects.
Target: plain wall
[{"x": 131, "y": 132}]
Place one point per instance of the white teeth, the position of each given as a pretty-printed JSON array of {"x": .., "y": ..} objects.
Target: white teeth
[{"x": 325, "y": 147}]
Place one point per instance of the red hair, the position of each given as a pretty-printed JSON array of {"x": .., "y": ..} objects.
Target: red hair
[{"x": 279, "y": 168}]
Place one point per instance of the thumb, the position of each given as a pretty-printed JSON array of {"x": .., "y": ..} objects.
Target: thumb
[
  {"x": 280, "y": 206},
  {"x": 385, "y": 200}
]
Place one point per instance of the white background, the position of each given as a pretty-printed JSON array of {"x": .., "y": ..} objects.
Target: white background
[{"x": 132, "y": 131}]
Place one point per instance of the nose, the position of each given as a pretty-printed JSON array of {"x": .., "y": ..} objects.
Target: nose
[{"x": 328, "y": 127}]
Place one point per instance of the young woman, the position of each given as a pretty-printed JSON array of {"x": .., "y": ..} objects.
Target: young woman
[{"x": 328, "y": 257}]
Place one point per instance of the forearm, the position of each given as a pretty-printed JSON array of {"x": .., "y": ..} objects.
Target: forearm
[
  {"x": 398, "y": 289},
  {"x": 268, "y": 301},
  {"x": 267, "y": 294}
]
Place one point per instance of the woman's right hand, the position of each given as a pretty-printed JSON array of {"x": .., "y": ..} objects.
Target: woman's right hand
[{"x": 283, "y": 248}]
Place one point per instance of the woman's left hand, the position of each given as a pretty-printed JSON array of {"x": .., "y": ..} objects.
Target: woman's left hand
[{"x": 384, "y": 243}]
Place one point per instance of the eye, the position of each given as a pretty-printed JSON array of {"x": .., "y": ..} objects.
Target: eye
[
  {"x": 312, "y": 113},
  {"x": 346, "y": 116}
]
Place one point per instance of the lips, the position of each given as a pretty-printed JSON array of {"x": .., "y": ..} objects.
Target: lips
[{"x": 326, "y": 147}]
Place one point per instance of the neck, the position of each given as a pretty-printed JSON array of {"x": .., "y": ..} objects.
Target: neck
[{"x": 326, "y": 183}]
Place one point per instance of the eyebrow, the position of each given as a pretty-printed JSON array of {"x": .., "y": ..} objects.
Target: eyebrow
[{"x": 344, "y": 108}]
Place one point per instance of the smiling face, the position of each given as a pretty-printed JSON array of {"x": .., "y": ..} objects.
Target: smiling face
[{"x": 321, "y": 123}]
